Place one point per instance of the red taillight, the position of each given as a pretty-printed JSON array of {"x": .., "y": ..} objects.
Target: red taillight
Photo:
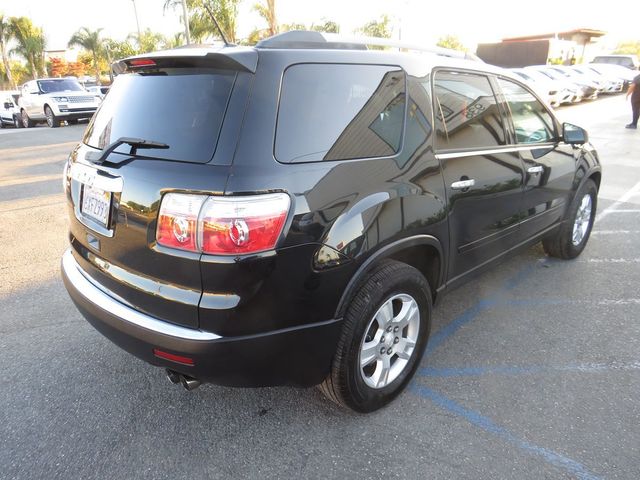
[
  {"x": 141, "y": 62},
  {"x": 173, "y": 357},
  {"x": 222, "y": 225},
  {"x": 178, "y": 221}
]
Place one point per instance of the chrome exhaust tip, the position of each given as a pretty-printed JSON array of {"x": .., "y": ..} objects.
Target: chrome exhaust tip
[{"x": 189, "y": 383}]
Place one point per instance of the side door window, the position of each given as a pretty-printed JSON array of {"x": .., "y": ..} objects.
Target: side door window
[
  {"x": 531, "y": 120},
  {"x": 467, "y": 113}
]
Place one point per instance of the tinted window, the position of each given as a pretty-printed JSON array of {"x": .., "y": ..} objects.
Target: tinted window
[
  {"x": 61, "y": 85},
  {"x": 467, "y": 114},
  {"x": 532, "y": 122},
  {"x": 339, "y": 112},
  {"x": 182, "y": 107}
]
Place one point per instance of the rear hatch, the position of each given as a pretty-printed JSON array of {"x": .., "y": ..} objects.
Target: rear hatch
[{"x": 190, "y": 108}]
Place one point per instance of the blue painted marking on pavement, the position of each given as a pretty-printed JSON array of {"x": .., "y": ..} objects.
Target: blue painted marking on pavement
[
  {"x": 486, "y": 424},
  {"x": 445, "y": 332},
  {"x": 535, "y": 369},
  {"x": 471, "y": 313}
]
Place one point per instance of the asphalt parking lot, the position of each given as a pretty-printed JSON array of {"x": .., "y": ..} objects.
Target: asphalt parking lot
[{"x": 532, "y": 370}]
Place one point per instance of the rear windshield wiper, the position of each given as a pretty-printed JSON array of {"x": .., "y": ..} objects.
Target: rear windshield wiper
[{"x": 135, "y": 143}]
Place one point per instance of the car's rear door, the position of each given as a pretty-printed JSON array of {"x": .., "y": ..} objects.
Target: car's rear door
[
  {"x": 549, "y": 163},
  {"x": 483, "y": 177}
]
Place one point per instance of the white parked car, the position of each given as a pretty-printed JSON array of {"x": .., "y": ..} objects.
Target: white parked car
[
  {"x": 548, "y": 89},
  {"x": 606, "y": 83},
  {"x": 98, "y": 90},
  {"x": 576, "y": 92},
  {"x": 9, "y": 111},
  {"x": 54, "y": 100},
  {"x": 615, "y": 71}
]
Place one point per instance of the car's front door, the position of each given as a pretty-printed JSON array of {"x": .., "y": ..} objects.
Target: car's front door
[
  {"x": 549, "y": 163},
  {"x": 483, "y": 177}
]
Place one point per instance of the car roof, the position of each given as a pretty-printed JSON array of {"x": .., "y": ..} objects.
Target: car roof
[{"x": 315, "y": 46}]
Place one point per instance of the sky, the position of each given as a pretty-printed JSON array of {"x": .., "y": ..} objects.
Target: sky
[{"x": 418, "y": 21}]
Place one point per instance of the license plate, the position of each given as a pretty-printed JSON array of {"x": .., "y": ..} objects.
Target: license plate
[{"x": 96, "y": 204}]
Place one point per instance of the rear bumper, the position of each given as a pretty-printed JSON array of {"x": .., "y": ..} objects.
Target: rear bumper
[{"x": 295, "y": 356}]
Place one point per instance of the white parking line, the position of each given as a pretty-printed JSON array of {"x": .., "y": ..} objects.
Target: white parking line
[
  {"x": 615, "y": 232},
  {"x": 32, "y": 179},
  {"x": 625, "y": 211},
  {"x": 635, "y": 190}
]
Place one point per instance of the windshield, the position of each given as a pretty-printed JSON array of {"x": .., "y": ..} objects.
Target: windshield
[
  {"x": 59, "y": 85},
  {"x": 181, "y": 107}
]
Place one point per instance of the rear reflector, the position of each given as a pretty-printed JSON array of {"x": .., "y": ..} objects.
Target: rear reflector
[
  {"x": 222, "y": 225},
  {"x": 141, "y": 62},
  {"x": 173, "y": 358}
]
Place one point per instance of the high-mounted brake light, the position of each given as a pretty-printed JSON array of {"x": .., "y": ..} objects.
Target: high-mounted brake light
[
  {"x": 222, "y": 225},
  {"x": 141, "y": 62}
]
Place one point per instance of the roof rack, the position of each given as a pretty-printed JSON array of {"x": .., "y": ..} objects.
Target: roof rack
[{"x": 321, "y": 40}]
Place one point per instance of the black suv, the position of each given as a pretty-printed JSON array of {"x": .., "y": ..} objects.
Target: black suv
[{"x": 288, "y": 214}]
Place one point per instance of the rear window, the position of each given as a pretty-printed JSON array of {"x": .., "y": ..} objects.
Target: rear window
[
  {"x": 340, "y": 112},
  {"x": 182, "y": 107}
]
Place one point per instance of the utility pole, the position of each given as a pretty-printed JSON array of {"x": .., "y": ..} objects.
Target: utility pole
[
  {"x": 135, "y": 11},
  {"x": 185, "y": 18}
]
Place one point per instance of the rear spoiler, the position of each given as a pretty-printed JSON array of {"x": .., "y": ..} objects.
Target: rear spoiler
[{"x": 228, "y": 58}]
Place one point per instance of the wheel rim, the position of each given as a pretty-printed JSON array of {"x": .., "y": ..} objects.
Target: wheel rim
[
  {"x": 389, "y": 341},
  {"x": 16, "y": 122},
  {"x": 582, "y": 221},
  {"x": 49, "y": 116},
  {"x": 25, "y": 120}
]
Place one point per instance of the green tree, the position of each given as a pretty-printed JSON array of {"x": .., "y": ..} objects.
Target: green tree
[
  {"x": 327, "y": 26},
  {"x": 119, "y": 50},
  {"x": 377, "y": 28},
  {"x": 628, "y": 48},
  {"x": 5, "y": 36},
  {"x": 148, "y": 42},
  {"x": 200, "y": 23},
  {"x": 267, "y": 10},
  {"x": 91, "y": 42},
  {"x": 31, "y": 44},
  {"x": 175, "y": 41},
  {"x": 287, "y": 27},
  {"x": 452, "y": 42}
]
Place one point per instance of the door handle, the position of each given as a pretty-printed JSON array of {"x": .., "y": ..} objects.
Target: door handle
[
  {"x": 463, "y": 184},
  {"x": 536, "y": 169}
]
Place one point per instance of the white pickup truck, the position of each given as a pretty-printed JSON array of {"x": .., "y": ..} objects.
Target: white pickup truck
[
  {"x": 54, "y": 100},
  {"x": 9, "y": 111}
]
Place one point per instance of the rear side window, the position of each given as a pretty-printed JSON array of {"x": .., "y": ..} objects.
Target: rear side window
[
  {"x": 467, "y": 114},
  {"x": 182, "y": 107},
  {"x": 340, "y": 112},
  {"x": 531, "y": 120}
]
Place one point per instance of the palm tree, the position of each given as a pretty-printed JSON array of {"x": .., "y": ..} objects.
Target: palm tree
[
  {"x": 200, "y": 23},
  {"x": 91, "y": 42},
  {"x": 267, "y": 10},
  {"x": 5, "y": 36},
  {"x": 31, "y": 44},
  {"x": 148, "y": 41}
]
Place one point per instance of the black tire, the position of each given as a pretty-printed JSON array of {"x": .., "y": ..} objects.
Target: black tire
[
  {"x": 345, "y": 384},
  {"x": 1, "y": 124},
  {"x": 26, "y": 121},
  {"x": 561, "y": 244},
  {"x": 52, "y": 120},
  {"x": 17, "y": 121}
]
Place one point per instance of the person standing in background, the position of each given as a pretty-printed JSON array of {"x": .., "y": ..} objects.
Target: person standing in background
[{"x": 634, "y": 93}]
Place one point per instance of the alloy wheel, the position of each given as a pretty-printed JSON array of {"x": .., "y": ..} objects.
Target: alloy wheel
[
  {"x": 389, "y": 340},
  {"x": 582, "y": 221}
]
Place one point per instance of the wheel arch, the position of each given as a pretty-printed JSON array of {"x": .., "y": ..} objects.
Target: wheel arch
[{"x": 423, "y": 252}]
